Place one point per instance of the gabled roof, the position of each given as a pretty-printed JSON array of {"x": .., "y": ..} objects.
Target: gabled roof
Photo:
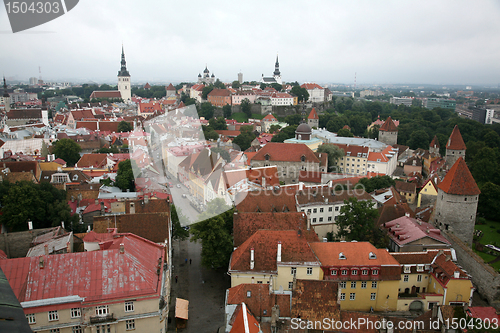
[
  {"x": 294, "y": 249},
  {"x": 455, "y": 142},
  {"x": 313, "y": 114},
  {"x": 405, "y": 187},
  {"x": 219, "y": 92},
  {"x": 106, "y": 94},
  {"x": 356, "y": 254},
  {"x": 92, "y": 160},
  {"x": 170, "y": 87},
  {"x": 388, "y": 126},
  {"x": 425, "y": 257},
  {"x": 269, "y": 117},
  {"x": 244, "y": 321},
  {"x": 434, "y": 142},
  {"x": 281, "y": 200},
  {"x": 260, "y": 299},
  {"x": 405, "y": 230},
  {"x": 61, "y": 277},
  {"x": 246, "y": 224},
  {"x": 459, "y": 180},
  {"x": 285, "y": 152},
  {"x": 310, "y": 86}
]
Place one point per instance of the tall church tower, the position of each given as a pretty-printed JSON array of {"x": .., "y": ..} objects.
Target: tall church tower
[
  {"x": 6, "y": 96},
  {"x": 124, "y": 80},
  {"x": 277, "y": 73}
]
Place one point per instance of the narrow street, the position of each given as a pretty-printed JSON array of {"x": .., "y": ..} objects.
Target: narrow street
[{"x": 204, "y": 289}]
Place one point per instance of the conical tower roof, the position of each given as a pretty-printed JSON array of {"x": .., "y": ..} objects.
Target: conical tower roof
[
  {"x": 459, "y": 180},
  {"x": 455, "y": 142},
  {"x": 388, "y": 126},
  {"x": 313, "y": 114},
  {"x": 434, "y": 142}
]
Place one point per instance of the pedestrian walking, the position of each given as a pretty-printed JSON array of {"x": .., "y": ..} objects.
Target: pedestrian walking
[
  {"x": 176, "y": 278},
  {"x": 190, "y": 261},
  {"x": 186, "y": 261}
]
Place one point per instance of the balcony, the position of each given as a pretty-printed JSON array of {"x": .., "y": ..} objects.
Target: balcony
[{"x": 102, "y": 319}]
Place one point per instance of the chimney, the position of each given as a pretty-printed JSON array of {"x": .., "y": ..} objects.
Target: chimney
[
  {"x": 122, "y": 248},
  {"x": 252, "y": 258},
  {"x": 146, "y": 199},
  {"x": 308, "y": 221},
  {"x": 456, "y": 274},
  {"x": 46, "y": 249},
  {"x": 407, "y": 214},
  {"x": 68, "y": 247},
  {"x": 278, "y": 259},
  {"x": 41, "y": 262},
  {"x": 102, "y": 208},
  {"x": 96, "y": 202},
  {"x": 62, "y": 224}
]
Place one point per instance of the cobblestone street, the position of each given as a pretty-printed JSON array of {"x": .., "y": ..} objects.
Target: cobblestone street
[{"x": 203, "y": 288}]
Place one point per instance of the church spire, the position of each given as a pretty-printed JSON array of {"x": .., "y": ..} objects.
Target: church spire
[
  {"x": 277, "y": 67},
  {"x": 123, "y": 71},
  {"x": 5, "y": 94}
]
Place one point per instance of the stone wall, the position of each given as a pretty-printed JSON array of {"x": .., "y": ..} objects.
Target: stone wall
[
  {"x": 484, "y": 278},
  {"x": 17, "y": 244}
]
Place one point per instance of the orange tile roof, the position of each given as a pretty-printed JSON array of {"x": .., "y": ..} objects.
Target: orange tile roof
[
  {"x": 459, "y": 180},
  {"x": 455, "y": 142},
  {"x": 313, "y": 114},
  {"x": 294, "y": 249},
  {"x": 310, "y": 86},
  {"x": 269, "y": 117},
  {"x": 244, "y": 321},
  {"x": 388, "y": 126},
  {"x": 92, "y": 160},
  {"x": 281, "y": 200},
  {"x": 356, "y": 253},
  {"x": 219, "y": 92},
  {"x": 286, "y": 152},
  {"x": 315, "y": 300}
]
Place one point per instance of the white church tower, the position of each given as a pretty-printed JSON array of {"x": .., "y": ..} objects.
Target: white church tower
[
  {"x": 277, "y": 73},
  {"x": 124, "y": 80}
]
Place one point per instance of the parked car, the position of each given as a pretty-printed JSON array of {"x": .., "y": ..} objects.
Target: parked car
[
  {"x": 178, "y": 185},
  {"x": 184, "y": 195}
]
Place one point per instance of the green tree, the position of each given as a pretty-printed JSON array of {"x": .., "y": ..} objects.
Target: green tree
[
  {"x": 124, "y": 126},
  {"x": 485, "y": 166},
  {"x": 206, "y": 110},
  {"x": 301, "y": 93},
  {"x": 178, "y": 232},
  {"x": 226, "y": 110},
  {"x": 236, "y": 84},
  {"x": 357, "y": 222},
  {"x": 215, "y": 233},
  {"x": 344, "y": 132},
  {"x": 68, "y": 150},
  {"x": 218, "y": 123},
  {"x": 246, "y": 108},
  {"x": 244, "y": 140},
  {"x": 219, "y": 85},
  {"x": 285, "y": 133},
  {"x": 206, "y": 90},
  {"x": 419, "y": 139},
  {"x": 334, "y": 153},
  {"x": 125, "y": 176},
  {"x": 274, "y": 128},
  {"x": 376, "y": 183},
  {"x": 209, "y": 133},
  {"x": 277, "y": 86},
  {"x": 293, "y": 119}
]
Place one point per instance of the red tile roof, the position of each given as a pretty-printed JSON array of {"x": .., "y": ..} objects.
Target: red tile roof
[
  {"x": 424, "y": 257},
  {"x": 260, "y": 299},
  {"x": 459, "y": 180},
  {"x": 228, "y": 133},
  {"x": 405, "y": 187},
  {"x": 246, "y": 224},
  {"x": 455, "y": 142},
  {"x": 286, "y": 152},
  {"x": 269, "y": 117},
  {"x": 388, "y": 126},
  {"x": 106, "y": 94},
  {"x": 170, "y": 87},
  {"x": 294, "y": 249},
  {"x": 434, "y": 142},
  {"x": 315, "y": 300},
  {"x": 244, "y": 321},
  {"x": 280, "y": 200},
  {"x": 92, "y": 160},
  {"x": 310, "y": 86},
  {"x": 484, "y": 313},
  {"x": 444, "y": 269},
  {"x": 356, "y": 254},
  {"x": 254, "y": 175},
  {"x": 83, "y": 273},
  {"x": 219, "y": 92},
  {"x": 313, "y": 114}
]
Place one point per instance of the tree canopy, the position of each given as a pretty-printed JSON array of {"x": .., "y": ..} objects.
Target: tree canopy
[
  {"x": 125, "y": 126},
  {"x": 68, "y": 150},
  {"x": 334, "y": 153},
  {"x": 178, "y": 232},
  {"x": 301, "y": 93},
  {"x": 125, "y": 176}
]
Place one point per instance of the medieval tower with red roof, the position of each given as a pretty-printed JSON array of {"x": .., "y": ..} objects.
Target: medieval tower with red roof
[
  {"x": 388, "y": 132},
  {"x": 434, "y": 146},
  {"x": 456, "y": 203},
  {"x": 313, "y": 119},
  {"x": 124, "y": 80},
  {"x": 455, "y": 147}
]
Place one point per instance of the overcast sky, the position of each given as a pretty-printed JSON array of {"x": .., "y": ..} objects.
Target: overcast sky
[{"x": 435, "y": 42}]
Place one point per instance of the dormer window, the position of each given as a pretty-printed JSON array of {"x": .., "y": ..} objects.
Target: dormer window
[
  {"x": 267, "y": 157},
  {"x": 372, "y": 255},
  {"x": 249, "y": 294},
  {"x": 342, "y": 256},
  {"x": 354, "y": 272},
  {"x": 375, "y": 272},
  {"x": 75, "y": 177},
  {"x": 420, "y": 268},
  {"x": 303, "y": 158},
  {"x": 407, "y": 269},
  {"x": 333, "y": 272}
]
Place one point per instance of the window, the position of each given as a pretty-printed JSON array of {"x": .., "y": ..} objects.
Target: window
[
  {"x": 374, "y": 284},
  {"x": 103, "y": 328},
  {"x": 333, "y": 272},
  {"x": 54, "y": 330},
  {"x": 31, "y": 318},
  {"x": 352, "y": 296},
  {"x": 249, "y": 294},
  {"x": 420, "y": 268},
  {"x": 76, "y": 313},
  {"x": 314, "y": 220},
  {"x": 309, "y": 270},
  {"x": 315, "y": 210},
  {"x": 337, "y": 209},
  {"x": 330, "y": 209},
  {"x": 407, "y": 269},
  {"x": 53, "y": 315},
  {"x": 259, "y": 282},
  {"x": 293, "y": 270},
  {"x": 77, "y": 329},
  {"x": 321, "y": 219},
  {"x": 419, "y": 278},
  {"x": 364, "y": 272},
  {"x": 354, "y": 272},
  {"x": 405, "y": 279},
  {"x": 308, "y": 211},
  {"x": 375, "y": 272},
  {"x": 329, "y": 218},
  {"x": 129, "y": 306},
  {"x": 321, "y": 210},
  {"x": 344, "y": 272},
  {"x": 290, "y": 285},
  {"x": 342, "y": 285},
  {"x": 373, "y": 296},
  {"x": 130, "y": 324},
  {"x": 353, "y": 284},
  {"x": 101, "y": 310},
  {"x": 342, "y": 296},
  {"x": 363, "y": 285}
]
